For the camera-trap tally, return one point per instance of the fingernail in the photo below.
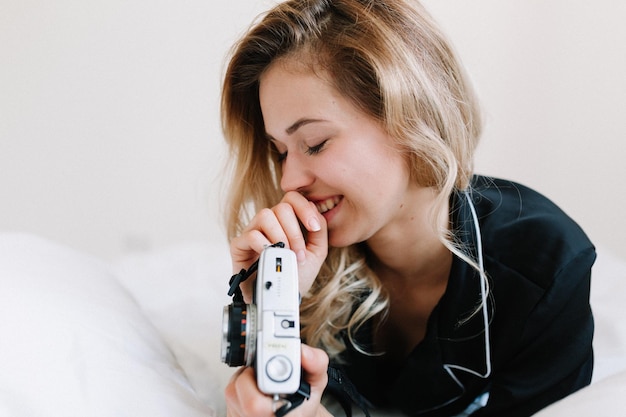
(314, 225)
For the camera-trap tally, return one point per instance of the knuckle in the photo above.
(283, 208)
(265, 214)
(297, 239)
(253, 235)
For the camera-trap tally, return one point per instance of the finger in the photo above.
(251, 401)
(282, 224)
(263, 230)
(305, 210)
(315, 224)
(317, 241)
(270, 225)
(233, 395)
(315, 365)
(245, 248)
(315, 368)
(230, 396)
(236, 374)
(288, 219)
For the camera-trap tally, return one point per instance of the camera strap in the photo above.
(340, 386)
(294, 400)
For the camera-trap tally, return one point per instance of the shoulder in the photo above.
(525, 231)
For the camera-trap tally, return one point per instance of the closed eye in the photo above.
(313, 150)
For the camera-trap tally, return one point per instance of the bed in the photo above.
(140, 335)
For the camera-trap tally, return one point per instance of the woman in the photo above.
(352, 128)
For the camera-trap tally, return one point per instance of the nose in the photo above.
(296, 175)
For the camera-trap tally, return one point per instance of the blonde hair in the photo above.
(390, 59)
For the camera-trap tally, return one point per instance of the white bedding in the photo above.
(73, 342)
(140, 336)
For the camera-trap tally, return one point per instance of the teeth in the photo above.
(328, 204)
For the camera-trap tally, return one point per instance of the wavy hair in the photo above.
(391, 60)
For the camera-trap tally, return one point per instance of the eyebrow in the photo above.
(301, 122)
(297, 125)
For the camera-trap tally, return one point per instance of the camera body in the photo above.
(266, 333)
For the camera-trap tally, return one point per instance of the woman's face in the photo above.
(336, 156)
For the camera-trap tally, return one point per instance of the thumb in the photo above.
(315, 365)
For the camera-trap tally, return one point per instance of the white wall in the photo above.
(109, 129)
(552, 76)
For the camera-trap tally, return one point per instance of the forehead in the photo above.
(289, 90)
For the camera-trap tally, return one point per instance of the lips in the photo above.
(328, 204)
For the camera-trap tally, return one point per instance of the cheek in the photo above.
(387, 170)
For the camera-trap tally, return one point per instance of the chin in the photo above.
(336, 240)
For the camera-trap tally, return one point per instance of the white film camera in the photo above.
(266, 333)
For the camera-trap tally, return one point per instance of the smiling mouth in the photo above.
(328, 204)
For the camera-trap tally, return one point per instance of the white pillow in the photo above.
(608, 295)
(182, 290)
(74, 343)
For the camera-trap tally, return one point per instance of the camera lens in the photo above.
(238, 334)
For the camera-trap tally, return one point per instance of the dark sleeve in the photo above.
(555, 357)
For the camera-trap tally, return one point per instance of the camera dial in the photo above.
(239, 332)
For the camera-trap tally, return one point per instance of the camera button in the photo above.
(286, 326)
(279, 368)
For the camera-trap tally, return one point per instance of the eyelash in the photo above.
(312, 150)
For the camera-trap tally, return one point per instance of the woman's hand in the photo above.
(281, 223)
(243, 398)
